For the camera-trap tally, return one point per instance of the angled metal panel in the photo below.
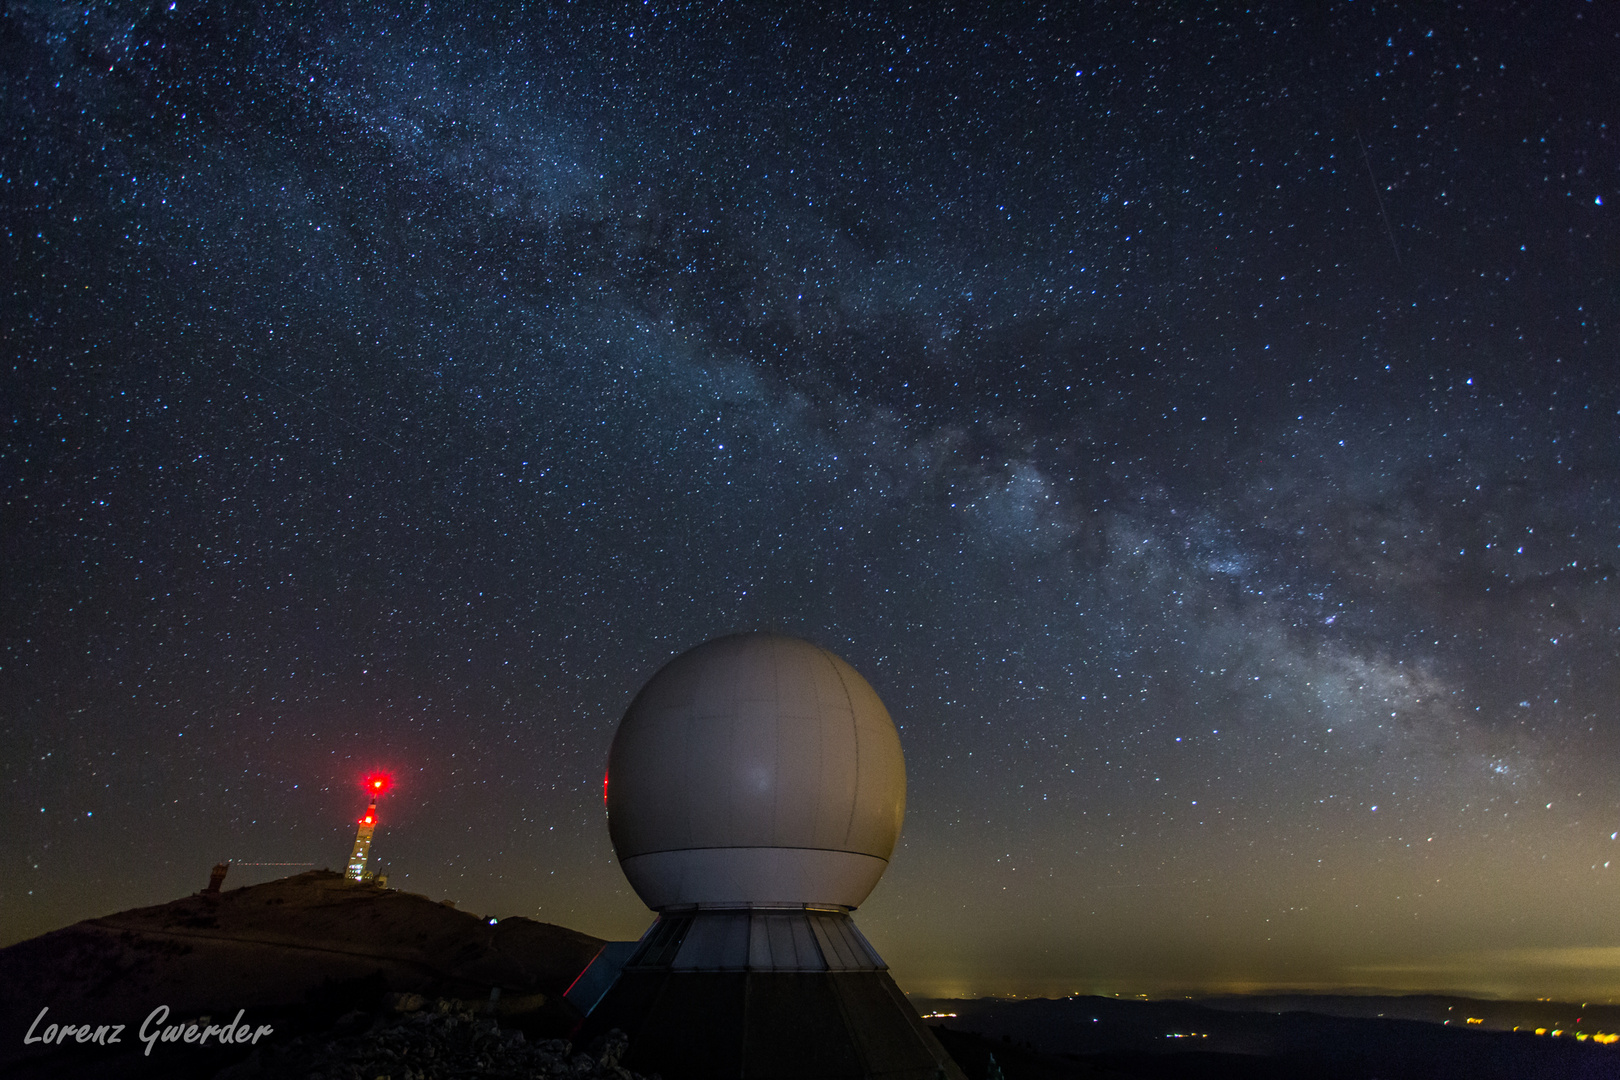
(716, 942)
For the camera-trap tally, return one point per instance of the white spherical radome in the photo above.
(755, 770)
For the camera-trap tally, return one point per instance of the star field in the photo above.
(1197, 422)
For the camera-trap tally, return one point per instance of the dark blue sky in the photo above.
(1197, 422)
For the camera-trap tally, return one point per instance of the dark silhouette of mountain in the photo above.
(1086, 1037)
(1449, 1009)
(295, 954)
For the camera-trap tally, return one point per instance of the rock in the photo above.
(445, 1042)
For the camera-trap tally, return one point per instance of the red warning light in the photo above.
(377, 783)
(367, 820)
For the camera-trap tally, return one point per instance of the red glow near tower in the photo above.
(375, 785)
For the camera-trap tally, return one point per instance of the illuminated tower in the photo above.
(375, 786)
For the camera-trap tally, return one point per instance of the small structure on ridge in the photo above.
(376, 784)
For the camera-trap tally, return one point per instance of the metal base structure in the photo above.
(764, 994)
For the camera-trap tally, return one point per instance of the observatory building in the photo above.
(755, 791)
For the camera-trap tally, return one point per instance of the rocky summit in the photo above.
(295, 955)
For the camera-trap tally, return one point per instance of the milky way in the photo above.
(1198, 424)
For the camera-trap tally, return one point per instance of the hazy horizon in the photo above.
(1559, 974)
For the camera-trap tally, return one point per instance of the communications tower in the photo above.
(376, 784)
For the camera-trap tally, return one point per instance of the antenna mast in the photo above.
(375, 785)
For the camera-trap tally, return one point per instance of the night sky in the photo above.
(1199, 423)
